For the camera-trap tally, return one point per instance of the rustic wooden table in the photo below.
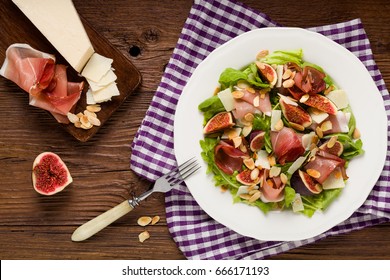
(38, 227)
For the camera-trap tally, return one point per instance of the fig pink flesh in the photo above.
(50, 174)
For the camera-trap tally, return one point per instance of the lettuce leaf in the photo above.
(210, 107)
(230, 77)
(282, 57)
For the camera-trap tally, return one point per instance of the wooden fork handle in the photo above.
(95, 225)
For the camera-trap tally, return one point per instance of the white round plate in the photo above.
(349, 74)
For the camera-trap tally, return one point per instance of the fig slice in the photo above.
(335, 148)
(267, 72)
(245, 177)
(321, 103)
(50, 175)
(220, 121)
(257, 140)
(304, 184)
(295, 114)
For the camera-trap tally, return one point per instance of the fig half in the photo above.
(50, 174)
(219, 122)
(304, 184)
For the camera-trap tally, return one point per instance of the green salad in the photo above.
(279, 134)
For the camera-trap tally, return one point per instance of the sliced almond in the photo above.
(283, 178)
(84, 120)
(313, 173)
(274, 171)
(144, 221)
(94, 108)
(329, 89)
(331, 142)
(304, 98)
(237, 141)
(250, 163)
(262, 53)
(326, 125)
(155, 220)
(356, 133)
(245, 196)
(246, 130)
(256, 101)
(90, 114)
(279, 125)
(249, 117)
(94, 121)
(72, 117)
(319, 132)
(243, 84)
(288, 83)
(286, 74)
(237, 94)
(255, 174)
(143, 236)
(271, 160)
(255, 196)
(251, 90)
(297, 126)
(86, 126)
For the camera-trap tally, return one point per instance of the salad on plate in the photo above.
(279, 134)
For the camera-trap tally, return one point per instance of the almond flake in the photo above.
(274, 171)
(279, 125)
(286, 74)
(262, 53)
(246, 130)
(326, 125)
(297, 126)
(288, 83)
(304, 98)
(251, 90)
(144, 221)
(256, 101)
(155, 220)
(237, 94)
(72, 117)
(313, 173)
(143, 236)
(283, 178)
(249, 162)
(94, 108)
(319, 132)
(249, 117)
(245, 196)
(255, 196)
(237, 141)
(356, 133)
(255, 174)
(90, 114)
(331, 142)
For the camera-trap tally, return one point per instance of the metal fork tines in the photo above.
(182, 172)
(169, 180)
(163, 184)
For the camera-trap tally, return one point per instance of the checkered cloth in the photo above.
(210, 24)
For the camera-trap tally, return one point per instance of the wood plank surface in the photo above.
(145, 32)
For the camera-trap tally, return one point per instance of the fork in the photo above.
(162, 184)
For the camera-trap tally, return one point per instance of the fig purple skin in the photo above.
(256, 140)
(303, 184)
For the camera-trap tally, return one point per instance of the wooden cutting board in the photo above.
(19, 29)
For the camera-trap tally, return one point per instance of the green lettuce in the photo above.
(283, 57)
(210, 107)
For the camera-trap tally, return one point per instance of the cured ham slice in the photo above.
(287, 145)
(47, 83)
(272, 189)
(309, 80)
(325, 163)
(228, 158)
(245, 104)
(30, 69)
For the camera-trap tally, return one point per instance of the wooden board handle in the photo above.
(95, 225)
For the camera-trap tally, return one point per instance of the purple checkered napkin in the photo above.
(210, 24)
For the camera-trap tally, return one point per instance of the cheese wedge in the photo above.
(60, 23)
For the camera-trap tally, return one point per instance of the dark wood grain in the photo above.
(36, 227)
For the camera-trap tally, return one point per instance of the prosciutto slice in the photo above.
(309, 80)
(228, 158)
(271, 189)
(325, 163)
(287, 145)
(47, 84)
